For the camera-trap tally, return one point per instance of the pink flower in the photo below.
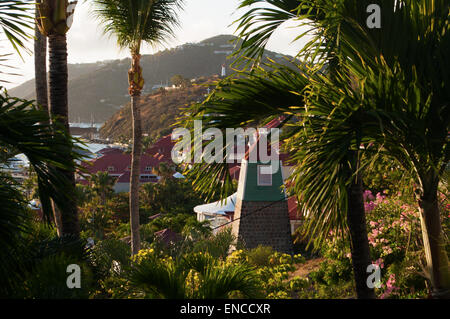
(391, 281)
(379, 262)
(368, 195)
(389, 287)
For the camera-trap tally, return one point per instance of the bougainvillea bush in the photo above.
(395, 239)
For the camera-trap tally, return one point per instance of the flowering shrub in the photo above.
(394, 234)
(395, 240)
(273, 269)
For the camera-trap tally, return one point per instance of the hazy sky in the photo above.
(201, 19)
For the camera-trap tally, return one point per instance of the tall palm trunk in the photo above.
(40, 70)
(434, 244)
(40, 65)
(356, 219)
(136, 84)
(60, 113)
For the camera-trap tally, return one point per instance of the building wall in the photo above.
(269, 226)
(122, 187)
(249, 190)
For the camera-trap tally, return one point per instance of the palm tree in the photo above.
(134, 22)
(102, 184)
(54, 21)
(414, 106)
(329, 159)
(264, 96)
(25, 129)
(15, 20)
(164, 171)
(40, 65)
(324, 174)
(198, 276)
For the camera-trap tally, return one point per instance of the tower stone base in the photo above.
(269, 226)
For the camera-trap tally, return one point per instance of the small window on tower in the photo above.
(111, 169)
(264, 175)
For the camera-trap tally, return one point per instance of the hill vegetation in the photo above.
(98, 90)
(158, 111)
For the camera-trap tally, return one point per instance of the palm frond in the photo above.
(25, 129)
(134, 21)
(258, 24)
(251, 98)
(16, 22)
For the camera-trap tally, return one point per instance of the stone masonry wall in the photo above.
(268, 227)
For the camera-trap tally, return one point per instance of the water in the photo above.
(86, 125)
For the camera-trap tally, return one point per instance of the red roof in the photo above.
(275, 123)
(162, 149)
(235, 171)
(110, 150)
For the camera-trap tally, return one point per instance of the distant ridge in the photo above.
(158, 112)
(98, 90)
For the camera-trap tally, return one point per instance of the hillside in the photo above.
(98, 90)
(158, 112)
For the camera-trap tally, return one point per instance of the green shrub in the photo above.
(217, 245)
(260, 255)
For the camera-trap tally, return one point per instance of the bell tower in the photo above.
(261, 215)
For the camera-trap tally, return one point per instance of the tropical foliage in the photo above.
(359, 93)
(365, 118)
(132, 23)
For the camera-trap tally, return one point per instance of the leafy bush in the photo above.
(196, 275)
(260, 255)
(48, 279)
(217, 246)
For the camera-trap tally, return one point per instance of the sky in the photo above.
(199, 20)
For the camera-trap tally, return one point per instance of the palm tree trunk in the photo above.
(136, 82)
(135, 173)
(57, 219)
(60, 113)
(434, 244)
(40, 66)
(356, 220)
(40, 77)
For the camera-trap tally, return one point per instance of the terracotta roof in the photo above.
(275, 122)
(293, 208)
(124, 178)
(162, 149)
(235, 171)
(110, 150)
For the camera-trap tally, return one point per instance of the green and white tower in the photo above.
(261, 215)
